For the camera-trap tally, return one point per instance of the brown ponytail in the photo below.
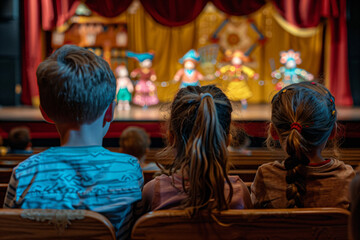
(200, 123)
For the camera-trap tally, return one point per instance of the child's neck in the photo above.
(315, 156)
(84, 135)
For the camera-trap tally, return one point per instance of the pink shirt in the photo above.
(163, 193)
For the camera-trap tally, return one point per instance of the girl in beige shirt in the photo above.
(303, 119)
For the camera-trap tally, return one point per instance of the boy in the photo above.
(136, 142)
(19, 141)
(77, 89)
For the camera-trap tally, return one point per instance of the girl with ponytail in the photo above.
(303, 119)
(198, 135)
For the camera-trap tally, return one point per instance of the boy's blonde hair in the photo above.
(75, 85)
(134, 141)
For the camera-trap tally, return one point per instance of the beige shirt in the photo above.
(326, 185)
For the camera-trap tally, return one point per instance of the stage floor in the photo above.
(254, 120)
(160, 113)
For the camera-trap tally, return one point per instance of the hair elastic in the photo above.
(205, 94)
(297, 126)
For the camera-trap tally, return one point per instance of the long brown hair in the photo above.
(304, 116)
(199, 126)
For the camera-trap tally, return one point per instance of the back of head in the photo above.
(75, 85)
(304, 116)
(240, 139)
(134, 141)
(19, 138)
(199, 126)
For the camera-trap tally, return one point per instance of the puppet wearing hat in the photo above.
(237, 74)
(145, 90)
(124, 88)
(289, 73)
(188, 75)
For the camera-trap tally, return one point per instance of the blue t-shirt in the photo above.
(91, 178)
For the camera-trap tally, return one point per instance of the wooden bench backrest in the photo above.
(52, 224)
(261, 156)
(311, 223)
(15, 157)
(5, 175)
(3, 188)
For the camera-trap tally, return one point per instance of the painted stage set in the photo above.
(254, 120)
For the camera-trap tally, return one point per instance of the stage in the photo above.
(254, 120)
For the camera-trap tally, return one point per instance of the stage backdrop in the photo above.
(315, 28)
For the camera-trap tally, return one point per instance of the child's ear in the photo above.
(229, 139)
(109, 114)
(45, 116)
(273, 132)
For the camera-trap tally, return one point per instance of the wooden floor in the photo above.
(160, 113)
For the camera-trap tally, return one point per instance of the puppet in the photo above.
(188, 75)
(289, 73)
(237, 74)
(124, 88)
(145, 89)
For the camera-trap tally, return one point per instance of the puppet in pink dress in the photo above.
(145, 90)
(188, 75)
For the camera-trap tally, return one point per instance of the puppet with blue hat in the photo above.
(145, 90)
(188, 75)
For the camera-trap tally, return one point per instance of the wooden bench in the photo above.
(9, 163)
(54, 224)
(14, 157)
(311, 223)
(237, 160)
(5, 175)
(261, 156)
(3, 188)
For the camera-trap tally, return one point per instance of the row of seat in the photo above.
(260, 156)
(237, 159)
(311, 223)
(321, 223)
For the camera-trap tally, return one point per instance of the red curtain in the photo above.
(339, 67)
(180, 12)
(108, 8)
(238, 7)
(56, 13)
(308, 13)
(31, 50)
(175, 12)
(302, 13)
(39, 14)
